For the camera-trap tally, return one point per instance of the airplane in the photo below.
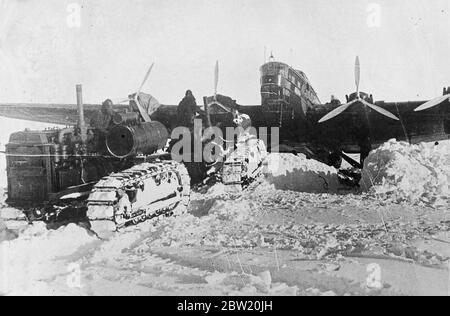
(326, 132)
(329, 131)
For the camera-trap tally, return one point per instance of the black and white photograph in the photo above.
(225, 153)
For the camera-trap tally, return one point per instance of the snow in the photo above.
(293, 208)
(296, 173)
(34, 256)
(39, 262)
(416, 174)
(247, 284)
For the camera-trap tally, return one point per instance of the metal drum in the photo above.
(125, 118)
(147, 138)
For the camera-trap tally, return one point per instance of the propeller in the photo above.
(145, 79)
(216, 79)
(143, 112)
(357, 74)
(147, 75)
(120, 101)
(134, 96)
(216, 84)
(433, 102)
(358, 99)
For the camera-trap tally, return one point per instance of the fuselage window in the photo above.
(286, 94)
(270, 90)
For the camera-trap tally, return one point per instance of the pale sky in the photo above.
(43, 54)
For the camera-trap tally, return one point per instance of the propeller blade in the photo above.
(380, 110)
(432, 103)
(145, 79)
(357, 74)
(143, 111)
(336, 111)
(122, 101)
(220, 105)
(216, 77)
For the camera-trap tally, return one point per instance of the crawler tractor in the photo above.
(117, 170)
(113, 177)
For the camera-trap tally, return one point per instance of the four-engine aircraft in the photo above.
(327, 131)
(288, 101)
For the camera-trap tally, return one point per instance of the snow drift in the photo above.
(296, 173)
(417, 174)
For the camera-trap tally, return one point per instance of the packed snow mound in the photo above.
(417, 174)
(33, 256)
(297, 173)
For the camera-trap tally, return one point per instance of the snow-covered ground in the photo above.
(296, 231)
(416, 174)
(296, 173)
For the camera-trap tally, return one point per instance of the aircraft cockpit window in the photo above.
(270, 91)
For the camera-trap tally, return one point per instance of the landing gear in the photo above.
(365, 148)
(335, 159)
(350, 177)
(332, 158)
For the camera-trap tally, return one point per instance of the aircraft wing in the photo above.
(414, 127)
(61, 114)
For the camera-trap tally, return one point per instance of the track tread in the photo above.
(109, 199)
(244, 165)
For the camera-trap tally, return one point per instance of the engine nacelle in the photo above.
(146, 138)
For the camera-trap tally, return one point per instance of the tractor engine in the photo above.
(105, 172)
(41, 164)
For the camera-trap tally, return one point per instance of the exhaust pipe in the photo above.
(81, 120)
